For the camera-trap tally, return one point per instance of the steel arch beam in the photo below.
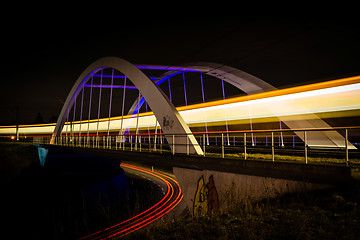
(170, 120)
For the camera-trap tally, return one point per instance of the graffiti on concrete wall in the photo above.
(207, 190)
(206, 197)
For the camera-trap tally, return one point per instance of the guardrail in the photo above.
(272, 145)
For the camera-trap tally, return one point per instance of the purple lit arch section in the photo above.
(157, 100)
(109, 86)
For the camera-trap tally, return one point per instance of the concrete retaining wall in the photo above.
(213, 190)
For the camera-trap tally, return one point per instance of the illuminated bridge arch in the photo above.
(165, 112)
(252, 85)
(237, 78)
(157, 100)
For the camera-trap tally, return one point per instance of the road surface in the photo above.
(172, 197)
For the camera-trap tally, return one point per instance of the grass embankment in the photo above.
(326, 214)
(40, 203)
(299, 159)
(15, 158)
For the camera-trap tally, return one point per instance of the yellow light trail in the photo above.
(332, 97)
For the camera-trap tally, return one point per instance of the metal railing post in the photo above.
(222, 146)
(131, 145)
(203, 144)
(305, 147)
(187, 145)
(244, 145)
(272, 147)
(149, 142)
(155, 136)
(173, 144)
(161, 144)
(346, 147)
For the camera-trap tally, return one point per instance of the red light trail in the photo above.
(171, 199)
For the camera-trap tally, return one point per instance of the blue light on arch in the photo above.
(142, 100)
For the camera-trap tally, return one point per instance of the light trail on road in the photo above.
(171, 199)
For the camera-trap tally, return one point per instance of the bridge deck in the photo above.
(328, 174)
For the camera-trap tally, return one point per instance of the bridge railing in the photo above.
(267, 145)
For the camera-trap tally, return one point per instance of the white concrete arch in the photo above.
(170, 120)
(252, 85)
(239, 79)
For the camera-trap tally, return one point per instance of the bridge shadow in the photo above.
(73, 195)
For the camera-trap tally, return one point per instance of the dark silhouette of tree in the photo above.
(39, 119)
(53, 119)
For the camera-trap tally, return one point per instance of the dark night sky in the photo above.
(42, 57)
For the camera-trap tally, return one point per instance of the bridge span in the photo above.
(214, 148)
(223, 149)
(90, 112)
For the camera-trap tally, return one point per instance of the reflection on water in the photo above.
(49, 204)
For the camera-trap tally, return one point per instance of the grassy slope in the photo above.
(326, 214)
(15, 158)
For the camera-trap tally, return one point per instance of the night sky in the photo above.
(42, 57)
